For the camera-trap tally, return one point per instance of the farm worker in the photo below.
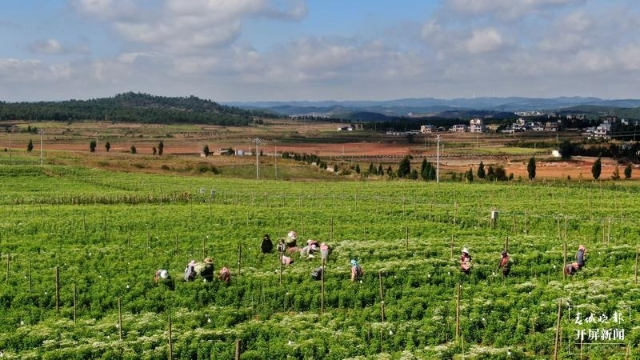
(286, 260)
(317, 273)
(190, 271)
(225, 275)
(465, 261)
(356, 271)
(207, 270)
(163, 277)
(505, 263)
(581, 256)
(292, 236)
(324, 251)
(305, 252)
(267, 244)
(281, 246)
(572, 268)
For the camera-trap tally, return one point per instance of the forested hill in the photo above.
(132, 107)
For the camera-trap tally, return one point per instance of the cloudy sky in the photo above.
(258, 50)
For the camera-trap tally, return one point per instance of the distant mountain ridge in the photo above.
(431, 106)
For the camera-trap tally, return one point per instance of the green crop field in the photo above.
(80, 247)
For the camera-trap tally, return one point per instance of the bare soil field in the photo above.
(458, 152)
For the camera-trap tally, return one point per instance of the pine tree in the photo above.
(30, 146)
(627, 171)
(596, 169)
(481, 173)
(531, 168)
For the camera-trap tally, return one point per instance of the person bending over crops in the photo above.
(581, 256)
(267, 244)
(286, 260)
(505, 263)
(572, 268)
(465, 261)
(225, 275)
(292, 237)
(317, 273)
(207, 270)
(163, 277)
(190, 271)
(356, 271)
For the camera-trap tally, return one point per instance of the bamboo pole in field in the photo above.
(170, 341)
(506, 244)
(237, 355)
(57, 279)
(609, 232)
(322, 288)
(8, 259)
(458, 312)
(280, 257)
(204, 244)
(564, 274)
(636, 268)
(452, 245)
(406, 231)
(239, 259)
(331, 229)
(381, 295)
(75, 303)
(29, 274)
(557, 339)
(120, 317)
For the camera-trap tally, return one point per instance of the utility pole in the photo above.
(257, 140)
(438, 159)
(275, 159)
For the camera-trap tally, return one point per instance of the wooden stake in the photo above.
(331, 229)
(452, 244)
(57, 273)
(406, 231)
(557, 342)
(237, 356)
(564, 274)
(636, 268)
(120, 318)
(458, 312)
(75, 303)
(170, 342)
(506, 244)
(381, 295)
(29, 274)
(322, 288)
(280, 257)
(239, 259)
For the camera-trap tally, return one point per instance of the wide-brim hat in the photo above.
(164, 274)
(354, 263)
(504, 252)
(465, 250)
(208, 261)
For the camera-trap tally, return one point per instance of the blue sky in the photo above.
(266, 50)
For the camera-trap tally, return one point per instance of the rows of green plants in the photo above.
(407, 236)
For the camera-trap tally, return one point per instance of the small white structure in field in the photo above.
(556, 153)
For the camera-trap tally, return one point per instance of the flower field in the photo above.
(80, 247)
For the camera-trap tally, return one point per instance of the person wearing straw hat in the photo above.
(324, 251)
(465, 261)
(190, 271)
(207, 270)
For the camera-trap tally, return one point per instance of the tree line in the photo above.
(133, 107)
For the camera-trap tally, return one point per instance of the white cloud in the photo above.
(192, 26)
(484, 40)
(505, 9)
(50, 46)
